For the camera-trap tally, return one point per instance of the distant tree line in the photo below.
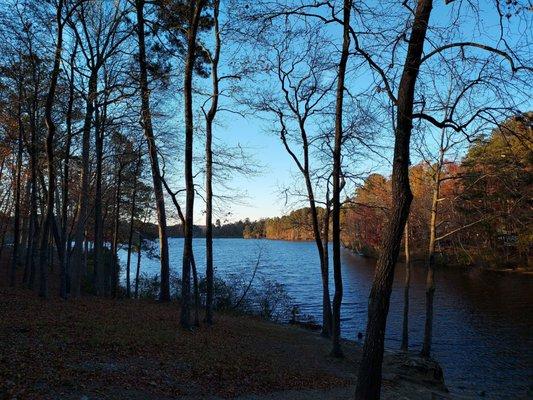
(484, 205)
(485, 209)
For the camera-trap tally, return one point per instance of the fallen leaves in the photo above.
(88, 346)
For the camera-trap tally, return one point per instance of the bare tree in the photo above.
(209, 118)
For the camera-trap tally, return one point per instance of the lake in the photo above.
(483, 324)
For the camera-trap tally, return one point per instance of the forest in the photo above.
(406, 131)
(482, 219)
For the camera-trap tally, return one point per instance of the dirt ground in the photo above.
(95, 348)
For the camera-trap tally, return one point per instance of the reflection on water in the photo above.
(483, 333)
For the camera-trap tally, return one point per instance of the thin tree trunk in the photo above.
(49, 214)
(78, 259)
(31, 245)
(16, 228)
(25, 221)
(114, 247)
(405, 328)
(336, 350)
(369, 377)
(164, 294)
(430, 279)
(132, 217)
(209, 275)
(65, 189)
(326, 301)
(100, 275)
(320, 245)
(195, 11)
(138, 272)
(5, 223)
(196, 292)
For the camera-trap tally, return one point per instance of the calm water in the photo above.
(483, 333)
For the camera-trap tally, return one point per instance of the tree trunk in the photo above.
(16, 228)
(78, 259)
(196, 9)
(321, 247)
(99, 272)
(5, 222)
(430, 279)
(115, 277)
(49, 213)
(405, 328)
(209, 271)
(326, 302)
(369, 377)
(132, 216)
(138, 272)
(64, 287)
(31, 245)
(336, 350)
(196, 292)
(164, 294)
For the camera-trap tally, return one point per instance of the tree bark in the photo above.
(115, 271)
(209, 274)
(65, 189)
(138, 272)
(326, 302)
(164, 294)
(31, 245)
(132, 217)
(430, 278)
(195, 11)
(405, 327)
(99, 273)
(369, 377)
(16, 228)
(336, 350)
(78, 259)
(49, 213)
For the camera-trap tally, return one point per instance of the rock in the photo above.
(415, 369)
